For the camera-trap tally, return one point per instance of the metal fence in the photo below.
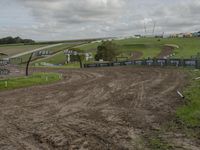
(194, 63)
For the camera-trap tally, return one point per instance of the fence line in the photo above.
(195, 63)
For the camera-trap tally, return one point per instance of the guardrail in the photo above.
(150, 62)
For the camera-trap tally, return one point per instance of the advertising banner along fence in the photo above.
(194, 63)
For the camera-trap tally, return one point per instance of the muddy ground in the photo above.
(136, 55)
(95, 109)
(166, 52)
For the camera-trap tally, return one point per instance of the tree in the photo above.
(80, 56)
(107, 51)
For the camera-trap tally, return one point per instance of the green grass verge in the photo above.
(157, 143)
(190, 113)
(35, 79)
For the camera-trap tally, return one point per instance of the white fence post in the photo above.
(6, 84)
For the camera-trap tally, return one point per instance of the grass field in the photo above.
(58, 58)
(90, 47)
(60, 48)
(14, 49)
(54, 50)
(35, 79)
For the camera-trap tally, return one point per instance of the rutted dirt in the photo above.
(95, 109)
(136, 55)
(166, 52)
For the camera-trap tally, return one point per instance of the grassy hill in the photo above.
(13, 49)
(147, 47)
(151, 47)
(53, 50)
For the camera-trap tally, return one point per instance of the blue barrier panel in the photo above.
(139, 62)
(175, 62)
(161, 62)
(149, 62)
(189, 62)
(104, 64)
(90, 65)
(116, 64)
(127, 63)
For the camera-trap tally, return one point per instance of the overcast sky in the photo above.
(77, 19)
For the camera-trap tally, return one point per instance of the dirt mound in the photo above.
(136, 55)
(95, 109)
(166, 52)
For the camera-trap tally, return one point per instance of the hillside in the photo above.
(152, 47)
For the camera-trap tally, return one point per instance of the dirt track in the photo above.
(166, 52)
(90, 109)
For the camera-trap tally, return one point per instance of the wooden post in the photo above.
(27, 66)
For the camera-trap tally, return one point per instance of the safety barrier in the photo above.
(150, 62)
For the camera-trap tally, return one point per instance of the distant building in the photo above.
(187, 35)
(180, 35)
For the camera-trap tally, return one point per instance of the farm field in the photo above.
(105, 108)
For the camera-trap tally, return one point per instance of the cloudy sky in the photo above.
(77, 19)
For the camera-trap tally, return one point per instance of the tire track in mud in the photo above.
(104, 108)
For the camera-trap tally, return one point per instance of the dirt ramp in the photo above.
(166, 52)
(136, 55)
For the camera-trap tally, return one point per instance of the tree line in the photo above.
(15, 40)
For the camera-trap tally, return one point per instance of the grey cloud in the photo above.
(67, 19)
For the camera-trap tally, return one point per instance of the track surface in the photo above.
(92, 109)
